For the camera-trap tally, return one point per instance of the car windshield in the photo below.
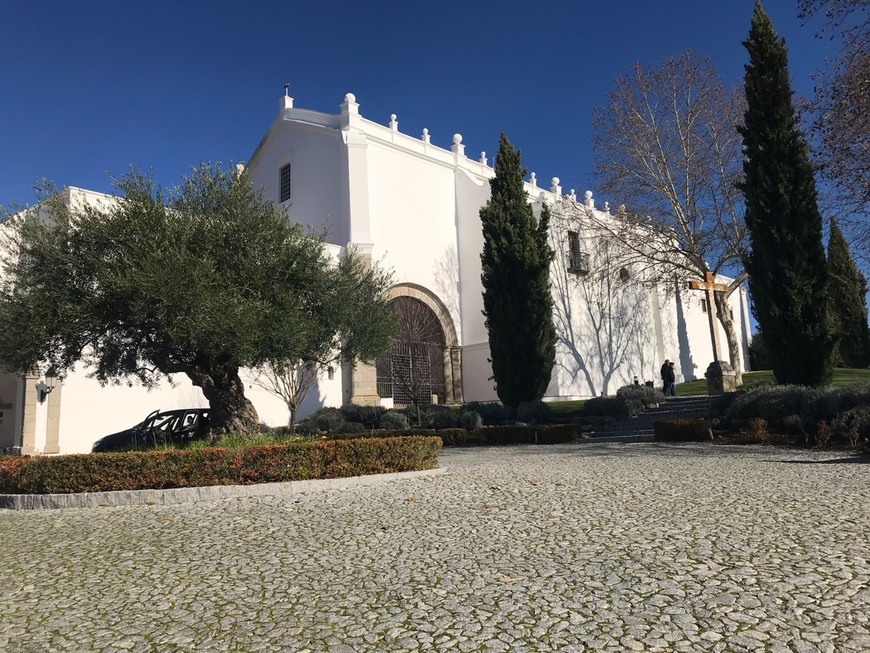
(165, 422)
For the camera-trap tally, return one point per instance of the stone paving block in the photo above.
(565, 548)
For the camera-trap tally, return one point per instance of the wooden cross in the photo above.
(710, 286)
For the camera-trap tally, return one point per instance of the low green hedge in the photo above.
(682, 430)
(137, 470)
(543, 434)
(488, 435)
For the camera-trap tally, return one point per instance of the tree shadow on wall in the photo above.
(687, 364)
(446, 275)
(602, 313)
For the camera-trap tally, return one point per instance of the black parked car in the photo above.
(169, 427)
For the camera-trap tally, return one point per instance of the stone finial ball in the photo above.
(554, 181)
(393, 117)
(350, 97)
(457, 138)
(588, 194)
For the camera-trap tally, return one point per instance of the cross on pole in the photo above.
(710, 286)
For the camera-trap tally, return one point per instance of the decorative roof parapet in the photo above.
(350, 104)
(587, 199)
(350, 118)
(457, 148)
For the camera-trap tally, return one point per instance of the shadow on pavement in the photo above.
(859, 458)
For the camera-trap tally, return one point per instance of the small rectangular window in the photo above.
(285, 182)
(577, 259)
(704, 305)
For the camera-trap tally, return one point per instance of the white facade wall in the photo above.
(413, 224)
(414, 208)
(315, 154)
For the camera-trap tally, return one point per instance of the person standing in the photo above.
(670, 380)
(664, 374)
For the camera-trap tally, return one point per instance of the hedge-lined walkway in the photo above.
(645, 547)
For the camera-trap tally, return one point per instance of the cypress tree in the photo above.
(847, 292)
(517, 302)
(786, 265)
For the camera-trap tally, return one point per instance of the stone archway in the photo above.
(437, 334)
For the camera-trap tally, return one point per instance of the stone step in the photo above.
(640, 428)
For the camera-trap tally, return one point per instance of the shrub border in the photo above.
(160, 470)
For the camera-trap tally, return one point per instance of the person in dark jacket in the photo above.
(670, 380)
(664, 373)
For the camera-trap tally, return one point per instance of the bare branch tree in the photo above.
(667, 143)
(841, 110)
(416, 355)
(289, 381)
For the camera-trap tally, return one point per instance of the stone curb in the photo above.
(177, 496)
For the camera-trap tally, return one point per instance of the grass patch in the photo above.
(842, 376)
(567, 408)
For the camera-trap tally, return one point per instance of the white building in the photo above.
(413, 207)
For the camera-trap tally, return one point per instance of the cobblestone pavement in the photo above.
(642, 547)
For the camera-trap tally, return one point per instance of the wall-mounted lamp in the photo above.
(330, 372)
(45, 386)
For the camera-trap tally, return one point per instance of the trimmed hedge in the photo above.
(138, 470)
(682, 430)
(488, 435)
(384, 433)
(547, 434)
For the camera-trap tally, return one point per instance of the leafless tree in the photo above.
(290, 381)
(666, 142)
(416, 355)
(841, 112)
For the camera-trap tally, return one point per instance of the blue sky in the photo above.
(89, 88)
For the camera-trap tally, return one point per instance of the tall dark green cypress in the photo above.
(786, 266)
(517, 302)
(847, 293)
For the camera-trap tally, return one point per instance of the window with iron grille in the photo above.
(413, 371)
(284, 178)
(578, 261)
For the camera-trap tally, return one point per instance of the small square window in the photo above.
(284, 178)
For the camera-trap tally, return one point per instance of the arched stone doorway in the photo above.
(425, 361)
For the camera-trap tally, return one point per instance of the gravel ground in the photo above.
(641, 547)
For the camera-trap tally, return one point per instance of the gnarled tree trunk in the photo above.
(231, 411)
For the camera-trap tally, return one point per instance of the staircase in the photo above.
(640, 428)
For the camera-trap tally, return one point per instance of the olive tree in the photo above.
(201, 280)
